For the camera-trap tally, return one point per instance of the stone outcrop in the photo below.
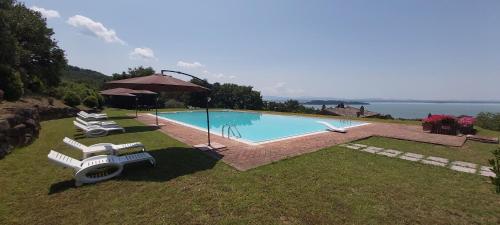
(20, 126)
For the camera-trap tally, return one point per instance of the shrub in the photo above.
(100, 100)
(71, 99)
(495, 164)
(11, 83)
(91, 101)
(490, 121)
(441, 124)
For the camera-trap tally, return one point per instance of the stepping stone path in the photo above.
(465, 167)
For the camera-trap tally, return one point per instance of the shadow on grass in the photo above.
(120, 117)
(138, 129)
(170, 163)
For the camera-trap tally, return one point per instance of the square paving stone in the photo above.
(360, 145)
(438, 159)
(434, 163)
(389, 153)
(486, 171)
(411, 156)
(352, 147)
(486, 168)
(372, 149)
(463, 169)
(464, 164)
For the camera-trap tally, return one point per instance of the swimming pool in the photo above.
(255, 128)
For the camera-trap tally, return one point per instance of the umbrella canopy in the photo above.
(125, 92)
(161, 83)
(156, 83)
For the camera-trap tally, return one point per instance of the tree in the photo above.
(134, 72)
(27, 49)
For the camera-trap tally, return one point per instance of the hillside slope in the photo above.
(79, 75)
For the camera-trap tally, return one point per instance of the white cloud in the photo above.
(189, 65)
(218, 76)
(142, 53)
(94, 28)
(47, 13)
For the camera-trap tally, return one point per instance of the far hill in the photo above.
(79, 75)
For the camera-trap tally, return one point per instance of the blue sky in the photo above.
(447, 49)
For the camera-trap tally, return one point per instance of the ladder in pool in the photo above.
(230, 131)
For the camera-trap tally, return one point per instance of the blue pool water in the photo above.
(256, 127)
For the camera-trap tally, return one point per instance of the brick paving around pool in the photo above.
(243, 156)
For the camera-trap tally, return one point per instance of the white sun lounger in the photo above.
(91, 116)
(96, 130)
(99, 123)
(103, 148)
(332, 128)
(98, 168)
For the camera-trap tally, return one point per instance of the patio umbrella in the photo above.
(128, 93)
(159, 83)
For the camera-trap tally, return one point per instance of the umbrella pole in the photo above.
(156, 108)
(208, 123)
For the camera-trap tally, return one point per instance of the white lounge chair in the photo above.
(96, 130)
(91, 116)
(332, 128)
(98, 168)
(99, 123)
(104, 148)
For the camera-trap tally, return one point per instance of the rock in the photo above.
(20, 126)
(4, 125)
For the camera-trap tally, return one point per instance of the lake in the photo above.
(412, 110)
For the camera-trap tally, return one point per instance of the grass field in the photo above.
(331, 186)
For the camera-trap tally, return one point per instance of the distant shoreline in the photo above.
(334, 102)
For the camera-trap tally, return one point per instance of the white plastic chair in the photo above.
(98, 168)
(104, 148)
(96, 130)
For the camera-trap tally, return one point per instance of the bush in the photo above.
(490, 121)
(11, 83)
(172, 103)
(91, 101)
(441, 124)
(71, 99)
(100, 100)
(495, 165)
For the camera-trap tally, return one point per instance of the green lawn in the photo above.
(331, 186)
